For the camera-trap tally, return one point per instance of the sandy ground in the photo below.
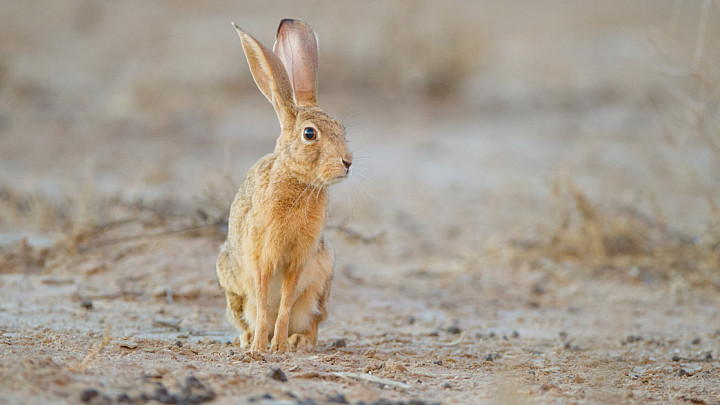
(119, 131)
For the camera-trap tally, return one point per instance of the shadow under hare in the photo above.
(275, 266)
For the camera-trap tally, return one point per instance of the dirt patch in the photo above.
(142, 319)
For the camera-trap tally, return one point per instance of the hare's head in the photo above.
(312, 144)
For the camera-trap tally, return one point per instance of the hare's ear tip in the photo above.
(283, 22)
(291, 21)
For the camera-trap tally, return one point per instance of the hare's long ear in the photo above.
(270, 77)
(297, 46)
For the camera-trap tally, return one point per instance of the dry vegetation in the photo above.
(621, 239)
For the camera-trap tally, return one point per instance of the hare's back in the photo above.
(257, 176)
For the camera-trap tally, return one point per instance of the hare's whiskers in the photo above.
(307, 201)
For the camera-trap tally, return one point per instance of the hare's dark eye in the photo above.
(309, 134)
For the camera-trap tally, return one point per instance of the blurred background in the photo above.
(470, 121)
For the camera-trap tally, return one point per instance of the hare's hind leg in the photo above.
(235, 302)
(306, 340)
(234, 313)
(311, 308)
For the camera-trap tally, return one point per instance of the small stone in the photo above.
(683, 372)
(492, 335)
(278, 375)
(88, 394)
(515, 334)
(339, 343)
(87, 304)
(438, 362)
(337, 399)
(538, 289)
(124, 398)
(547, 386)
(637, 372)
(434, 334)
(160, 391)
(455, 330)
(394, 366)
(231, 352)
(695, 341)
(193, 382)
(708, 356)
(633, 338)
(563, 334)
(447, 385)
(676, 358)
(411, 320)
(167, 399)
(489, 357)
(127, 344)
(178, 343)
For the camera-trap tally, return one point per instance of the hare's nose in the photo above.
(347, 163)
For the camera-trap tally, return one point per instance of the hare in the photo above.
(275, 267)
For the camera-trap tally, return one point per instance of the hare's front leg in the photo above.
(280, 337)
(262, 281)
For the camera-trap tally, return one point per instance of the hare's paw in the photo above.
(279, 345)
(300, 343)
(259, 345)
(246, 339)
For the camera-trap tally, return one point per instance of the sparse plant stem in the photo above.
(700, 41)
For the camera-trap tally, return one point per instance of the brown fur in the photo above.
(275, 267)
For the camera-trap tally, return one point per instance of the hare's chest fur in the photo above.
(286, 223)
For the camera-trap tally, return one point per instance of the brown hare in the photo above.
(275, 266)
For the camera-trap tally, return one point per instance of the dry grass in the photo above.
(604, 236)
(55, 230)
(621, 240)
(215, 200)
(691, 113)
